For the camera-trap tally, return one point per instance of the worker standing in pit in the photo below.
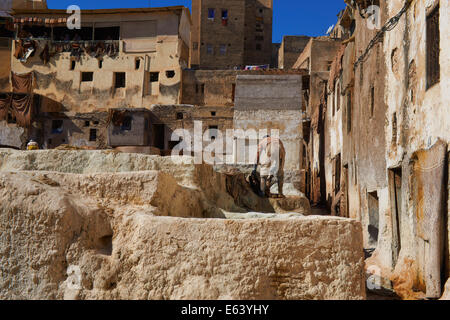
(271, 157)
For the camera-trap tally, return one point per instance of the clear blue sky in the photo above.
(291, 17)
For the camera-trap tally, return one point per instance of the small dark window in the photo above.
(200, 88)
(57, 126)
(224, 17)
(233, 91)
(224, 14)
(213, 132)
(87, 123)
(120, 80)
(258, 47)
(338, 102)
(154, 76)
(179, 115)
(87, 76)
(213, 113)
(96, 123)
(11, 118)
(329, 63)
(211, 13)
(223, 49)
(137, 63)
(333, 100)
(374, 216)
(349, 112)
(72, 64)
(372, 101)
(337, 173)
(259, 38)
(209, 49)
(93, 135)
(100, 64)
(126, 124)
(433, 48)
(107, 33)
(170, 73)
(394, 128)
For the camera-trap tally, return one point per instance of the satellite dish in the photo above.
(330, 29)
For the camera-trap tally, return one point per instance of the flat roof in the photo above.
(99, 11)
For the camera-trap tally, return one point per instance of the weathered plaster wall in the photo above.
(137, 135)
(75, 131)
(333, 140)
(12, 136)
(422, 114)
(174, 117)
(317, 54)
(315, 58)
(208, 87)
(324, 51)
(290, 50)
(369, 120)
(215, 88)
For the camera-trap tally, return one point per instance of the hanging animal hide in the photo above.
(22, 83)
(5, 105)
(22, 109)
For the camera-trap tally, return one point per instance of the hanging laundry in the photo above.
(76, 51)
(100, 50)
(112, 49)
(5, 105)
(18, 53)
(22, 109)
(45, 54)
(22, 83)
(24, 50)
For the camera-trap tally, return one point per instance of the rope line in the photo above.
(390, 25)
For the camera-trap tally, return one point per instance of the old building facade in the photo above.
(290, 49)
(232, 34)
(120, 58)
(316, 59)
(386, 140)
